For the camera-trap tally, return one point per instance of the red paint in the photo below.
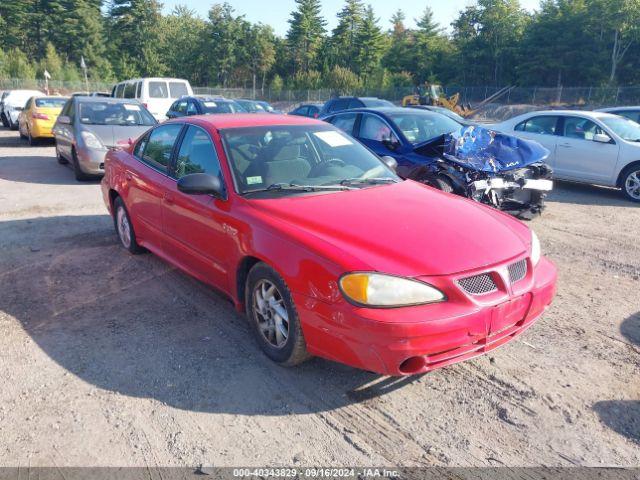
(405, 229)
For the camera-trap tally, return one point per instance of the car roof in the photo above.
(87, 99)
(242, 120)
(582, 113)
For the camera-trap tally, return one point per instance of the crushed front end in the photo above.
(503, 171)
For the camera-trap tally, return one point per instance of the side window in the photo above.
(539, 125)
(158, 90)
(139, 148)
(181, 107)
(197, 154)
(119, 90)
(68, 110)
(580, 128)
(138, 89)
(130, 90)
(338, 105)
(191, 108)
(374, 128)
(157, 151)
(355, 103)
(28, 105)
(302, 111)
(345, 122)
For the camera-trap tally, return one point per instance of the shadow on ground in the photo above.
(136, 326)
(38, 169)
(630, 329)
(584, 194)
(622, 416)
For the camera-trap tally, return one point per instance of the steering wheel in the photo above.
(332, 161)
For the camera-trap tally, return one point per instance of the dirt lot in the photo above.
(109, 359)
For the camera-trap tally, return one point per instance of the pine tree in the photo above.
(430, 45)
(343, 39)
(370, 44)
(399, 57)
(306, 30)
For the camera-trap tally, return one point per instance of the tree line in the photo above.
(490, 43)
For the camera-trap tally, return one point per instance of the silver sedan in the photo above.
(89, 126)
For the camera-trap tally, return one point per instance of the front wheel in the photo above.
(77, 171)
(273, 317)
(124, 228)
(441, 183)
(631, 183)
(59, 157)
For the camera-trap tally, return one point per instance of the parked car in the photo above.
(632, 113)
(349, 103)
(156, 94)
(589, 147)
(323, 246)
(501, 171)
(310, 110)
(257, 106)
(187, 106)
(89, 126)
(13, 103)
(37, 118)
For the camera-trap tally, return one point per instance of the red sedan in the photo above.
(327, 251)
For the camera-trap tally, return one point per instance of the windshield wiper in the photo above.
(292, 187)
(367, 181)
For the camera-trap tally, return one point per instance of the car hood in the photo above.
(485, 150)
(405, 229)
(112, 135)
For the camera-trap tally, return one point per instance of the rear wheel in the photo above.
(80, 175)
(5, 124)
(273, 317)
(631, 183)
(22, 135)
(32, 141)
(124, 228)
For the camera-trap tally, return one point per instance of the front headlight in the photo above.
(536, 251)
(384, 291)
(91, 141)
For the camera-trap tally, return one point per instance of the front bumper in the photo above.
(416, 340)
(91, 161)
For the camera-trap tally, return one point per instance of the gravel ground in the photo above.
(112, 360)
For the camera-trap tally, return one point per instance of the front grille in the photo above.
(517, 271)
(478, 285)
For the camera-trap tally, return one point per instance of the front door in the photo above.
(196, 234)
(579, 157)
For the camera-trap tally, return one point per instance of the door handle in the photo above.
(168, 198)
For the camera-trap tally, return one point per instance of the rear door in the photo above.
(147, 181)
(194, 225)
(544, 129)
(579, 157)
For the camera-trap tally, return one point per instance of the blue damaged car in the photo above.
(500, 170)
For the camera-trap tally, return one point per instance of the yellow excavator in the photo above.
(434, 95)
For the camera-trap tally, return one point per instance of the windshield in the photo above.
(261, 157)
(623, 127)
(106, 113)
(420, 127)
(51, 102)
(251, 107)
(221, 106)
(376, 102)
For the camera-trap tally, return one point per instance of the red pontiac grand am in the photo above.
(327, 251)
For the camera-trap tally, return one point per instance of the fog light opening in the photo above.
(412, 365)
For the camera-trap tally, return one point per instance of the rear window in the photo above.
(122, 114)
(130, 90)
(376, 102)
(178, 89)
(158, 90)
(50, 102)
(217, 106)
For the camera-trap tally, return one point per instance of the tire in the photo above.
(269, 325)
(124, 228)
(5, 124)
(32, 141)
(79, 174)
(60, 158)
(631, 183)
(12, 126)
(22, 136)
(441, 183)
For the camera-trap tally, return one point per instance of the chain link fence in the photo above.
(568, 97)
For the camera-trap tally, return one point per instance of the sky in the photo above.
(277, 12)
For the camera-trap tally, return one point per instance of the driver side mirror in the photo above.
(390, 162)
(65, 120)
(602, 138)
(201, 184)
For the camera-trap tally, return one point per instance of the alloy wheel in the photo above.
(271, 313)
(124, 228)
(632, 185)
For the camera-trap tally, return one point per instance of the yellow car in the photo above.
(38, 116)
